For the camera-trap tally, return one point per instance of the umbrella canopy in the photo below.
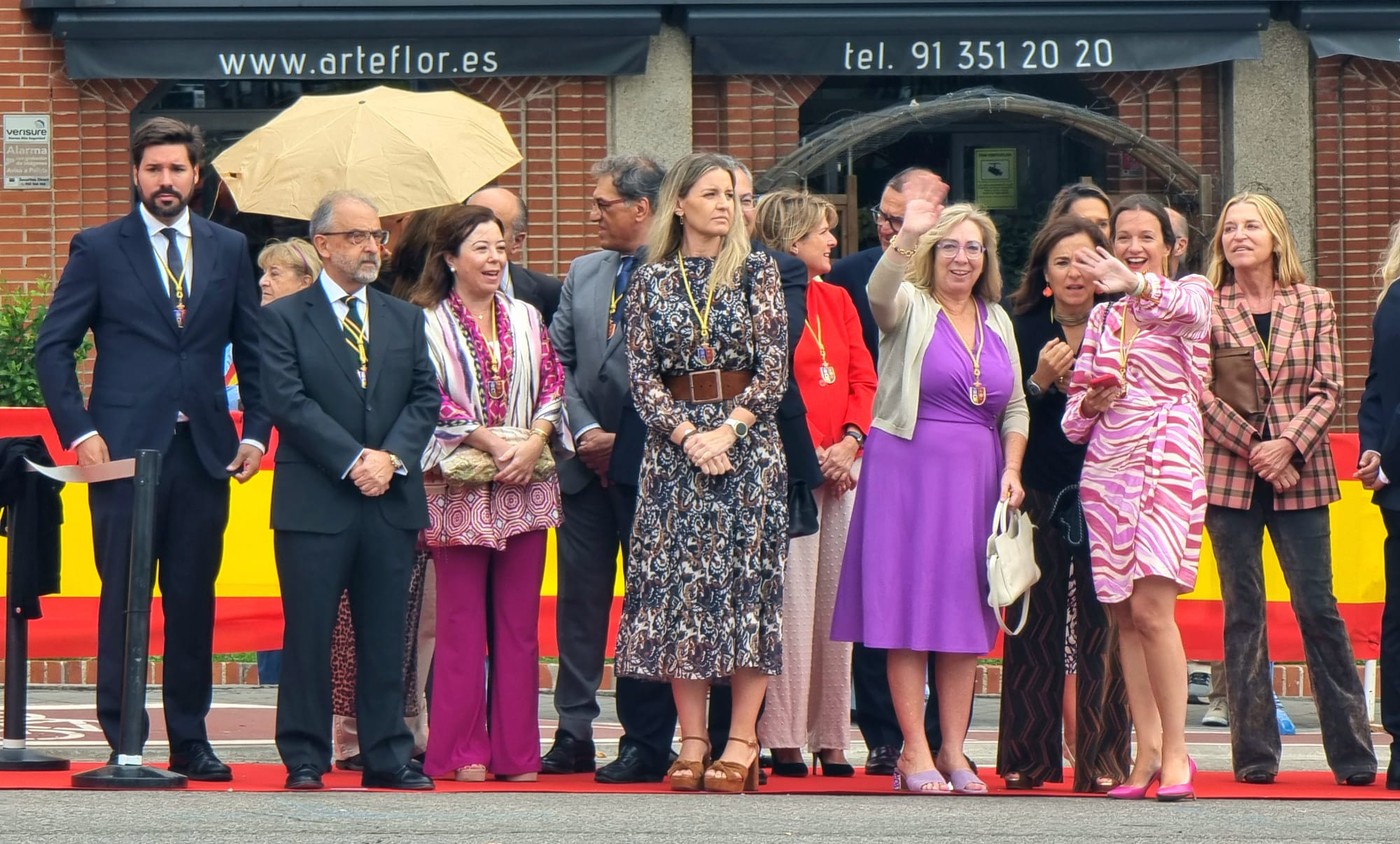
(405, 150)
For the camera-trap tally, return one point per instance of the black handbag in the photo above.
(802, 510)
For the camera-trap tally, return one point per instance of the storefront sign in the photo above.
(994, 186)
(28, 152)
(418, 58)
(972, 54)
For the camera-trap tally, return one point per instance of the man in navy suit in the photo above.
(355, 398)
(874, 708)
(163, 292)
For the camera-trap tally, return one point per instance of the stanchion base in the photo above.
(23, 759)
(129, 776)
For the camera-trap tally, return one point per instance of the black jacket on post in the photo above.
(30, 515)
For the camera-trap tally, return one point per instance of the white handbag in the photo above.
(1011, 568)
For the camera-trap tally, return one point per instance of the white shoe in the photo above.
(1217, 714)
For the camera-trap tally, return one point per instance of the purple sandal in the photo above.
(924, 782)
(966, 782)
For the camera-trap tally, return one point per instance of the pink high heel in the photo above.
(1134, 792)
(1184, 791)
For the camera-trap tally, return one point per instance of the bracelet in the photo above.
(539, 432)
(857, 436)
(687, 435)
(908, 253)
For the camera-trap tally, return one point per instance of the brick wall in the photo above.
(91, 175)
(1357, 106)
(753, 118)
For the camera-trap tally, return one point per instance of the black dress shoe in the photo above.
(631, 765)
(569, 755)
(1392, 773)
(882, 759)
(199, 763)
(404, 778)
(352, 763)
(304, 778)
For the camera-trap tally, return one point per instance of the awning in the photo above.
(348, 39)
(1370, 30)
(989, 38)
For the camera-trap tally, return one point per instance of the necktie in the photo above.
(175, 275)
(624, 275)
(353, 327)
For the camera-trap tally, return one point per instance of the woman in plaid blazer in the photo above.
(1275, 471)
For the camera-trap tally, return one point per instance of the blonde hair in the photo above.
(786, 216)
(292, 252)
(922, 265)
(1288, 267)
(1389, 267)
(668, 228)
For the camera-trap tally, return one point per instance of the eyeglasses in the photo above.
(604, 204)
(879, 216)
(359, 236)
(951, 248)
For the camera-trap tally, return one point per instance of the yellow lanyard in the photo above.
(1125, 343)
(709, 301)
(172, 280)
(817, 335)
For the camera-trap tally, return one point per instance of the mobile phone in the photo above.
(1107, 379)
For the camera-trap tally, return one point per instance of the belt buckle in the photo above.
(708, 389)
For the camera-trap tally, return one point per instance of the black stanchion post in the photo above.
(14, 755)
(128, 772)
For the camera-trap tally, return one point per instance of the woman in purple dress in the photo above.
(947, 442)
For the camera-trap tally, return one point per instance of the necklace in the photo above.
(1125, 343)
(827, 372)
(495, 382)
(1064, 320)
(704, 353)
(977, 393)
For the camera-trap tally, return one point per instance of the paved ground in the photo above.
(241, 726)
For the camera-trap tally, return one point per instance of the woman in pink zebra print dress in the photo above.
(1143, 484)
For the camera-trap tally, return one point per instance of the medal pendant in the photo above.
(364, 377)
(705, 355)
(828, 374)
(180, 316)
(977, 394)
(612, 329)
(496, 388)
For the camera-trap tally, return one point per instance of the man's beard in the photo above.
(161, 212)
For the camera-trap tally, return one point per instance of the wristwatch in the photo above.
(1033, 389)
(740, 429)
(855, 434)
(395, 461)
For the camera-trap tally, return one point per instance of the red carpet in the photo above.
(1212, 785)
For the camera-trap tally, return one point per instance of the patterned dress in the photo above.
(704, 590)
(1143, 488)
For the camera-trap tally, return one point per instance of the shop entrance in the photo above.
(1006, 151)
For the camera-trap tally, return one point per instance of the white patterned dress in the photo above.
(1143, 486)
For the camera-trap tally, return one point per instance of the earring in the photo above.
(1047, 292)
(451, 269)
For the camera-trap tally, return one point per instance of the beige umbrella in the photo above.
(405, 150)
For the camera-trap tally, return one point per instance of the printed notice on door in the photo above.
(995, 183)
(28, 152)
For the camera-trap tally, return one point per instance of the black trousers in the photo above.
(1390, 630)
(1302, 539)
(373, 560)
(1033, 672)
(191, 514)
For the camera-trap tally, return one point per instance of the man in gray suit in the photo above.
(599, 504)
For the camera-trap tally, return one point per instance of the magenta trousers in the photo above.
(458, 735)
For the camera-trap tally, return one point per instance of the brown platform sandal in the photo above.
(695, 770)
(732, 777)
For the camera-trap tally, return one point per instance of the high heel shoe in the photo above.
(1134, 792)
(832, 769)
(694, 769)
(1184, 791)
(919, 783)
(789, 769)
(732, 777)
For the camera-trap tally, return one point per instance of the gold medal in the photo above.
(977, 394)
(705, 355)
(496, 388)
(828, 374)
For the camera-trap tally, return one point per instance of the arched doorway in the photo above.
(990, 129)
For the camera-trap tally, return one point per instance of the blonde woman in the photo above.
(809, 703)
(1379, 471)
(948, 438)
(1274, 471)
(707, 344)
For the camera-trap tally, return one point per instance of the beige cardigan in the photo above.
(907, 317)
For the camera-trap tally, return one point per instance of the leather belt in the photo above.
(708, 385)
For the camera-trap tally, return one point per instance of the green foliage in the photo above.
(22, 311)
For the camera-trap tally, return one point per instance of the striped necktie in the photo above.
(353, 327)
